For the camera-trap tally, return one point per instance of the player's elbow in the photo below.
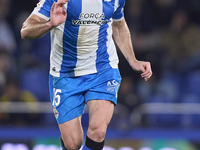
(26, 35)
(23, 34)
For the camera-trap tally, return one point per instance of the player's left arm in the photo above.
(122, 38)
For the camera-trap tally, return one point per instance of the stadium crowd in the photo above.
(164, 32)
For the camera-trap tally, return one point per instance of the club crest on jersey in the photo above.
(55, 112)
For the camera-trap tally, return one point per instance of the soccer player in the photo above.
(84, 63)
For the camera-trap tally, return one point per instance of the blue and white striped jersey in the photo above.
(83, 44)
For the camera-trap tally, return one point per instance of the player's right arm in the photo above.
(35, 26)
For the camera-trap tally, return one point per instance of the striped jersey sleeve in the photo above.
(43, 9)
(119, 12)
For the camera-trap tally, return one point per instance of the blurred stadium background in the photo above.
(161, 114)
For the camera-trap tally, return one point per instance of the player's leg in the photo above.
(101, 98)
(100, 114)
(68, 105)
(71, 134)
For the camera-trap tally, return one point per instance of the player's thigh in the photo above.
(71, 131)
(100, 113)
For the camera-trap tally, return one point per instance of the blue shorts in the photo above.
(70, 94)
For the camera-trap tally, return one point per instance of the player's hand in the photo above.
(58, 14)
(144, 67)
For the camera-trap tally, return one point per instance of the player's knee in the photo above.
(73, 147)
(97, 133)
(100, 134)
(72, 144)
